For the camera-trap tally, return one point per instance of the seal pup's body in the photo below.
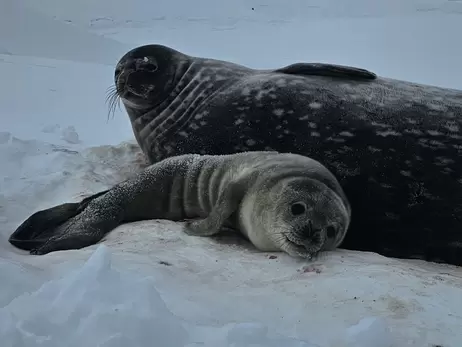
(395, 146)
(279, 201)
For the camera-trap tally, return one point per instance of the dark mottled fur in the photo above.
(395, 146)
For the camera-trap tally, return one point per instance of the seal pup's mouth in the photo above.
(309, 244)
(309, 240)
(301, 248)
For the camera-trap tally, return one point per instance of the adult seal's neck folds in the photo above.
(165, 91)
(158, 79)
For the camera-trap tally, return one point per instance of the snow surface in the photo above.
(149, 284)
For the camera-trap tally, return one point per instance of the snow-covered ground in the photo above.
(149, 284)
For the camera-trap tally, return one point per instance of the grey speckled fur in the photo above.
(253, 192)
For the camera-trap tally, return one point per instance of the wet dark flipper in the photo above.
(77, 233)
(41, 226)
(329, 70)
(85, 229)
(66, 242)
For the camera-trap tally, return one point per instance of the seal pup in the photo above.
(395, 146)
(278, 201)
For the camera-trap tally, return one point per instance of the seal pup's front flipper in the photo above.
(41, 226)
(227, 203)
(330, 70)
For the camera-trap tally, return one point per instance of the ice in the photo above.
(70, 135)
(370, 331)
(94, 305)
(149, 284)
(27, 32)
(100, 306)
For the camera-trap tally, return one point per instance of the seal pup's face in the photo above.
(145, 76)
(303, 217)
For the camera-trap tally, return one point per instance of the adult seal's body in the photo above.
(280, 202)
(395, 146)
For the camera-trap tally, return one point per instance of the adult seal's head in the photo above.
(301, 215)
(146, 76)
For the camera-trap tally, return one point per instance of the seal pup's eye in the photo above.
(298, 208)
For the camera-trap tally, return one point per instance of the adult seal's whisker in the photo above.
(113, 100)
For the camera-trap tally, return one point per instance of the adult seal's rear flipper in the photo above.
(329, 70)
(40, 227)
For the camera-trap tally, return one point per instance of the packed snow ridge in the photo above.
(96, 305)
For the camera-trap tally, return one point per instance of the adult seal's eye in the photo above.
(298, 208)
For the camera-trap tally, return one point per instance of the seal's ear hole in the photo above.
(298, 208)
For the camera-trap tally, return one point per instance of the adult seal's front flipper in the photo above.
(40, 227)
(329, 70)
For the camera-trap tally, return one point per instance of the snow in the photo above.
(149, 284)
(98, 305)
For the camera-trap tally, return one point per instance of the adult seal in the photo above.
(395, 146)
(280, 202)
